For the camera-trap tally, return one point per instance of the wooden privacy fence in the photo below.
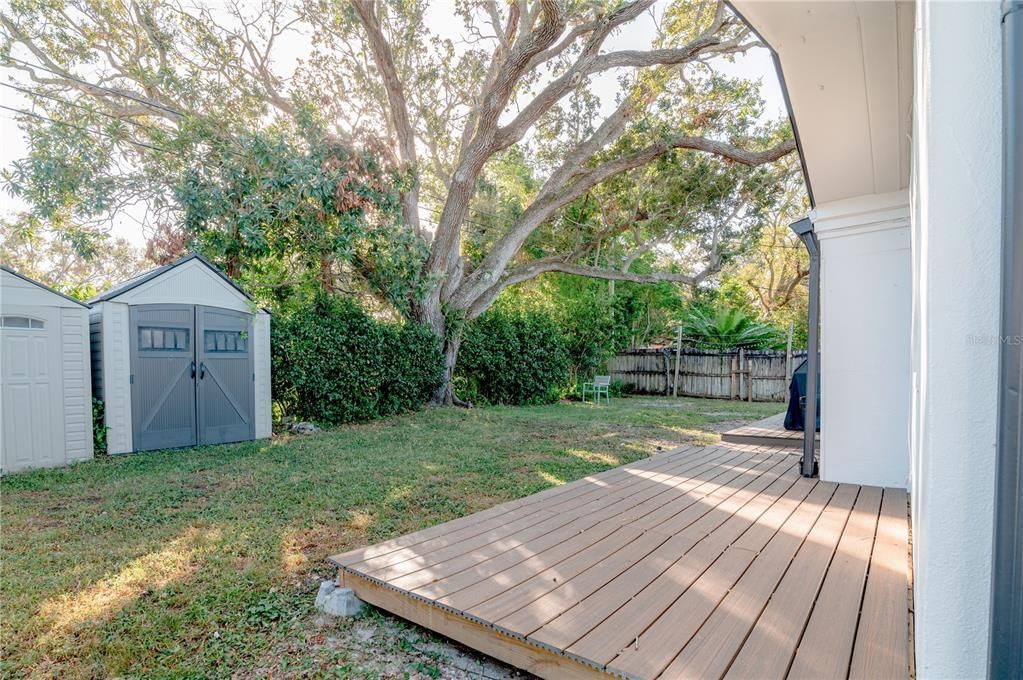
(752, 375)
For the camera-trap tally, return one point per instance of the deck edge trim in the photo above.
(511, 637)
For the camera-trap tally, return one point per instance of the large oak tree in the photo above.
(163, 82)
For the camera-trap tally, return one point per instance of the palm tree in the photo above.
(727, 328)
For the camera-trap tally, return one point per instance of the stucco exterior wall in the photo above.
(866, 299)
(956, 243)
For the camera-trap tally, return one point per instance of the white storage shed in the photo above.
(45, 397)
(180, 357)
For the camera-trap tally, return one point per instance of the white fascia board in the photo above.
(861, 215)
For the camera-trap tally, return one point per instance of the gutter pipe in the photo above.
(804, 230)
(1005, 654)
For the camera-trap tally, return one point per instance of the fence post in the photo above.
(788, 355)
(749, 380)
(678, 362)
(742, 369)
(733, 391)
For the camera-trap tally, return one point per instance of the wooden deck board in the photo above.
(772, 642)
(498, 514)
(711, 652)
(626, 625)
(704, 562)
(538, 612)
(826, 646)
(769, 431)
(885, 613)
(426, 541)
(679, 626)
(500, 584)
(591, 612)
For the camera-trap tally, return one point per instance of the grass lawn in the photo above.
(204, 562)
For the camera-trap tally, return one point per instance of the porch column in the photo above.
(866, 308)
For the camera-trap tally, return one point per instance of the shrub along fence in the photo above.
(512, 358)
(333, 363)
(753, 375)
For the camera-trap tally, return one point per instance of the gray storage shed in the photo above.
(180, 357)
(44, 376)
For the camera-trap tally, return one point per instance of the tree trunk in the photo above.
(445, 394)
(326, 273)
(431, 315)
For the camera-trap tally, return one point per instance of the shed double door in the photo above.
(192, 376)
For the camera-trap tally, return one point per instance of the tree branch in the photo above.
(260, 59)
(397, 104)
(508, 246)
(555, 264)
(474, 155)
(590, 62)
(604, 24)
(64, 78)
(534, 269)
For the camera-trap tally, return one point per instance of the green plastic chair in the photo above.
(601, 385)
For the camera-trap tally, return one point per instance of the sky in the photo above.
(756, 64)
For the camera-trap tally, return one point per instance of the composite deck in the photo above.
(767, 432)
(706, 562)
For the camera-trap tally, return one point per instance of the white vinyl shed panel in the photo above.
(192, 282)
(45, 390)
(114, 351)
(74, 327)
(261, 347)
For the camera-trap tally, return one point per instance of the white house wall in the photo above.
(261, 359)
(847, 69)
(116, 376)
(854, 135)
(866, 307)
(956, 241)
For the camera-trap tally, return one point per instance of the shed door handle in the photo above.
(202, 370)
(193, 370)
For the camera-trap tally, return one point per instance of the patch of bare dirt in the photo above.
(664, 403)
(726, 425)
(376, 645)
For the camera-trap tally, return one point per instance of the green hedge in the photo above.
(512, 358)
(333, 363)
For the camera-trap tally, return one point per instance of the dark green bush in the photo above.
(333, 363)
(99, 428)
(415, 367)
(512, 358)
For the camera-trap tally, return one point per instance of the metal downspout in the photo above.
(804, 229)
(1006, 644)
